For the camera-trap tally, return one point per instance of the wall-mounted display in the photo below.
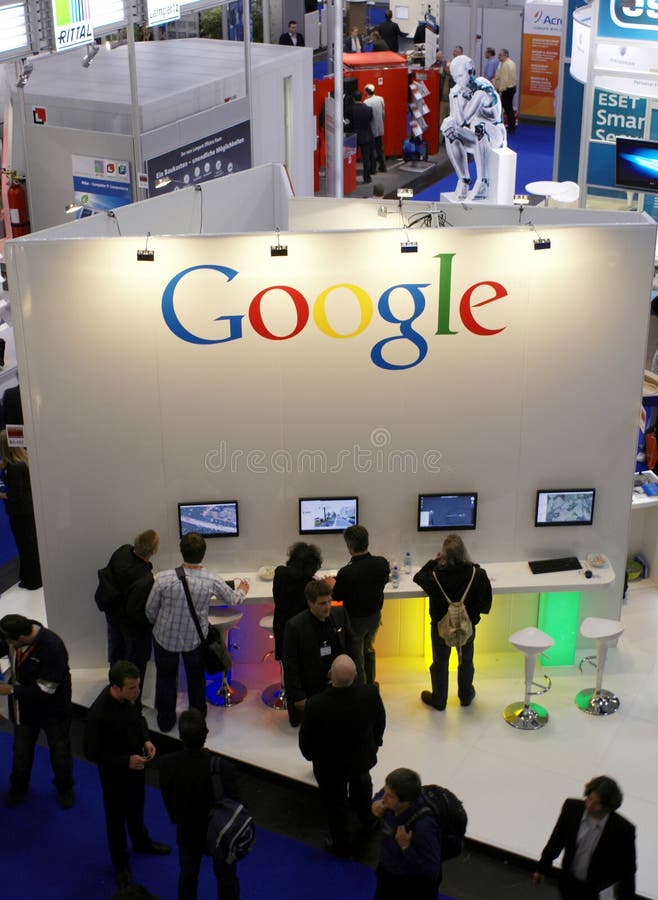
(327, 515)
(636, 164)
(565, 507)
(447, 512)
(217, 518)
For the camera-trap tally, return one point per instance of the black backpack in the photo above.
(108, 595)
(231, 830)
(450, 816)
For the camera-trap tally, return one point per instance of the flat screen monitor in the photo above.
(327, 515)
(565, 507)
(636, 164)
(447, 512)
(217, 518)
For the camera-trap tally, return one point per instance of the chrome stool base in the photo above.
(274, 696)
(221, 693)
(597, 703)
(525, 718)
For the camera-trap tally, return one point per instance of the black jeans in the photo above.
(123, 802)
(364, 630)
(189, 858)
(341, 790)
(507, 101)
(133, 644)
(393, 887)
(59, 745)
(439, 668)
(166, 684)
(25, 536)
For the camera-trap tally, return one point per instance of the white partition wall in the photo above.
(220, 372)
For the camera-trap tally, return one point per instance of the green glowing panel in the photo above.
(558, 616)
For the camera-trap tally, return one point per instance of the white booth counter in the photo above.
(505, 577)
(550, 601)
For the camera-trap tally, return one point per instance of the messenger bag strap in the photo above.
(180, 571)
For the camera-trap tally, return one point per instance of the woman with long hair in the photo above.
(303, 562)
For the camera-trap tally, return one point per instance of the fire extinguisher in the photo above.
(18, 216)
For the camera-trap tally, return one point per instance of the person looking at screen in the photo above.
(303, 562)
(449, 579)
(360, 586)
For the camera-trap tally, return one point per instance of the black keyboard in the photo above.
(542, 566)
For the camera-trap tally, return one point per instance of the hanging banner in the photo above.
(540, 64)
(72, 23)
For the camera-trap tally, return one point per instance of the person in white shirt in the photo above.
(378, 107)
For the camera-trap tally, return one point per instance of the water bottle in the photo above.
(395, 577)
(407, 563)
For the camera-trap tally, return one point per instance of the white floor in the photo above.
(512, 783)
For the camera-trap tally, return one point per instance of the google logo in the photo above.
(479, 294)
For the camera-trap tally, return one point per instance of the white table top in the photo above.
(506, 578)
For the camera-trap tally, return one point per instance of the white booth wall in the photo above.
(187, 89)
(125, 419)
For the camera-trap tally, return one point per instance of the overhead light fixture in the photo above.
(146, 255)
(521, 200)
(408, 247)
(24, 74)
(405, 193)
(542, 243)
(382, 211)
(278, 249)
(167, 179)
(73, 207)
(90, 53)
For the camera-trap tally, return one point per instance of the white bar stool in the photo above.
(274, 695)
(527, 716)
(597, 701)
(226, 691)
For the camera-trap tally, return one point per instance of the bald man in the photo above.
(343, 728)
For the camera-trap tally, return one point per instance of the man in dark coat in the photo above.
(40, 686)
(341, 731)
(391, 31)
(128, 630)
(116, 737)
(186, 782)
(360, 122)
(292, 37)
(447, 579)
(312, 640)
(598, 844)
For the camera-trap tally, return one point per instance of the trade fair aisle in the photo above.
(512, 783)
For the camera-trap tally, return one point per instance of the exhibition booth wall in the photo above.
(347, 367)
(191, 106)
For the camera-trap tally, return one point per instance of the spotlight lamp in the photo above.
(146, 255)
(24, 73)
(278, 249)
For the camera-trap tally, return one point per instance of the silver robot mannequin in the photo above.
(475, 125)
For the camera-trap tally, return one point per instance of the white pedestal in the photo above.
(502, 179)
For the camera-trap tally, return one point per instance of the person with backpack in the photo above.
(124, 587)
(410, 850)
(188, 783)
(459, 592)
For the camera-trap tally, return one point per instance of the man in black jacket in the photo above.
(128, 630)
(360, 586)
(188, 794)
(341, 731)
(360, 122)
(41, 689)
(447, 579)
(598, 844)
(312, 640)
(391, 31)
(116, 737)
(292, 37)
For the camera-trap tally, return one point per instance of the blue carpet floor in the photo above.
(62, 855)
(533, 145)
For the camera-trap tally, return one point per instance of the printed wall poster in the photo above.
(540, 65)
(100, 184)
(213, 156)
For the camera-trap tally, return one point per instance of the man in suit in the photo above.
(292, 37)
(186, 782)
(312, 640)
(598, 844)
(390, 31)
(360, 122)
(342, 729)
